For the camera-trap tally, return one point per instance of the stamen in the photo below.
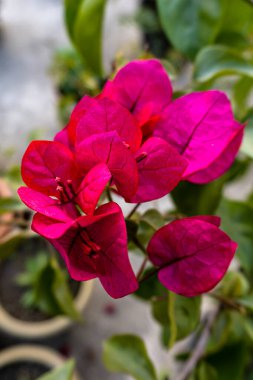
(126, 145)
(70, 186)
(141, 157)
(61, 193)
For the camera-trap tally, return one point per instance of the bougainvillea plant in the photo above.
(133, 139)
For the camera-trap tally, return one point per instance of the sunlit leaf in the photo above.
(65, 372)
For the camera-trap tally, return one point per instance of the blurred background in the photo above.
(50, 56)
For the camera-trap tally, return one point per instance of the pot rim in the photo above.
(43, 329)
(33, 353)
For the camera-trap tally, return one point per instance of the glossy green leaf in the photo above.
(87, 33)
(237, 222)
(190, 25)
(247, 144)
(216, 60)
(127, 354)
(65, 372)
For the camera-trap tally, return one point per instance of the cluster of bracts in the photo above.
(135, 140)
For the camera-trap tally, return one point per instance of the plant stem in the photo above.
(138, 244)
(199, 349)
(148, 275)
(142, 267)
(108, 193)
(227, 302)
(133, 211)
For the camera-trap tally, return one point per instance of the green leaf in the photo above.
(241, 96)
(230, 361)
(150, 288)
(190, 25)
(234, 285)
(237, 222)
(200, 199)
(247, 144)
(10, 242)
(179, 316)
(62, 293)
(87, 33)
(65, 372)
(70, 12)
(128, 354)
(216, 60)
(204, 371)
(9, 204)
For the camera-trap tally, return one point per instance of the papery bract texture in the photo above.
(43, 162)
(160, 169)
(143, 87)
(202, 129)
(193, 254)
(93, 246)
(108, 148)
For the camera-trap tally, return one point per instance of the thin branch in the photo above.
(133, 211)
(228, 302)
(150, 274)
(142, 267)
(199, 349)
(138, 244)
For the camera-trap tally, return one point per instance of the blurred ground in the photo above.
(31, 31)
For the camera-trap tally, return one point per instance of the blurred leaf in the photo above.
(65, 372)
(200, 199)
(87, 33)
(150, 288)
(128, 354)
(230, 361)
(234, 285)
(62, 292)
(70, 12)
(9, 204)
(246, 301)
(204, 371)
(220, 333)
(237, 222)
(241, 93)
(178, 315)
(154, 218)
(47, 287)
(10, 242)
(216, 60)
(190, 25)
(237, 18)
(247, 144)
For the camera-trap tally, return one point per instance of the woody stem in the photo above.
(142, 267)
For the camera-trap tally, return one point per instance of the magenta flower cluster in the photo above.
(139, 142)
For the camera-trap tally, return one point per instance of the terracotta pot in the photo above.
(32, 354)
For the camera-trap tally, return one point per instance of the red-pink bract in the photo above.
(93, 246)
(202, 128)
(160, 169)
(108, 148)
(193, 254)
(143, 87)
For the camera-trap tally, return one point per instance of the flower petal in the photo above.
(193, 255)
(160, 169)
(200, 126)
(46, 205)
(105, 116)
(138, 85)
(50, 228)
(221, 164)
(92, 187)
(108, 148)
(43, 161)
